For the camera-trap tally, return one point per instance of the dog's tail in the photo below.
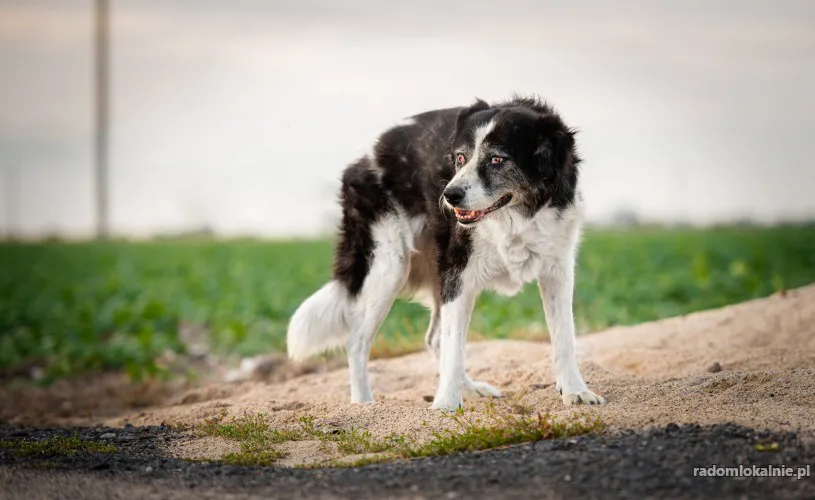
(320, 323)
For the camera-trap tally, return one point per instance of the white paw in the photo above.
(364, 402)
(582, 397)
(447, 406)
(447, 402)
(362, 397)
(573, 390)
(482, 389)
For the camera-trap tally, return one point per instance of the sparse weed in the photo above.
(471, 431)
(59, 445)
(492, 429)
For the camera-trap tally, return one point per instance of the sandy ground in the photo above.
(751, 364)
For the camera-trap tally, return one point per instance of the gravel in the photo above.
(656, 463)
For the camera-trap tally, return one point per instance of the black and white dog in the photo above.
(448, 204)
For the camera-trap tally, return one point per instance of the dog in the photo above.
(447, 204)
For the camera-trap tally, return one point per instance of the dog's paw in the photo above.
(582, 397)
(482, 389)
(364, 402)
(447, 402)
(362, 396)
(573, 390)
(447, 407)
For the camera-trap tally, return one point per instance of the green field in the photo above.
(90, 306)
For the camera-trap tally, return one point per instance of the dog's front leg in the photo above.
(557, 289)
(455, 319)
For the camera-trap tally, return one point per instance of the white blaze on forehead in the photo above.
(479, 136)
(467, 177)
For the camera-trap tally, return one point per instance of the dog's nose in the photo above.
(454, 195)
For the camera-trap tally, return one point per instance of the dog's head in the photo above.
(518, 155)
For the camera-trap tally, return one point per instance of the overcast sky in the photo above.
(241, 115)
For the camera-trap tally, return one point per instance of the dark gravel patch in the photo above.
(136, 446)
(657, 463)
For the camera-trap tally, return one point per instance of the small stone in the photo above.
(127, 437)
(715, 368)
(37, 373)
(108, 435)
(429, 399)
(148, 469)
(567, 478)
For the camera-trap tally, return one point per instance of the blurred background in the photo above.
(229, 114)
(222, 119)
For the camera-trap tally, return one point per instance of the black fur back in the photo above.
(411, 165)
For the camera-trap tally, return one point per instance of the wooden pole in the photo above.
(101, 77)
(11, 188)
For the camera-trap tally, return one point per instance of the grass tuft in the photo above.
(59, 445)
(254, 435)
(252, 456)
(359, 462)
(472, 431)
(483, 431)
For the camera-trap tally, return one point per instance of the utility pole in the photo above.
(101, 78)
(11, 188)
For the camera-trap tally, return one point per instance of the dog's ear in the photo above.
(478, 105)
(556, 145)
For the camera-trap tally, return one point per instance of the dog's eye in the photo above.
(496, 160)
(460, 160)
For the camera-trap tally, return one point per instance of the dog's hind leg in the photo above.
(433, 336)
(390, 265)
(480, 388)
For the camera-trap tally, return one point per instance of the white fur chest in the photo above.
(510, 251)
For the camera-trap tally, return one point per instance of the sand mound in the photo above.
(751, 363)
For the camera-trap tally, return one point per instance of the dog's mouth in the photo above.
(473, 216)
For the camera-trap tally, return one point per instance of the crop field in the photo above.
(73, 307)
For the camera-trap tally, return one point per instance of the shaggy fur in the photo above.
(448, 204)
